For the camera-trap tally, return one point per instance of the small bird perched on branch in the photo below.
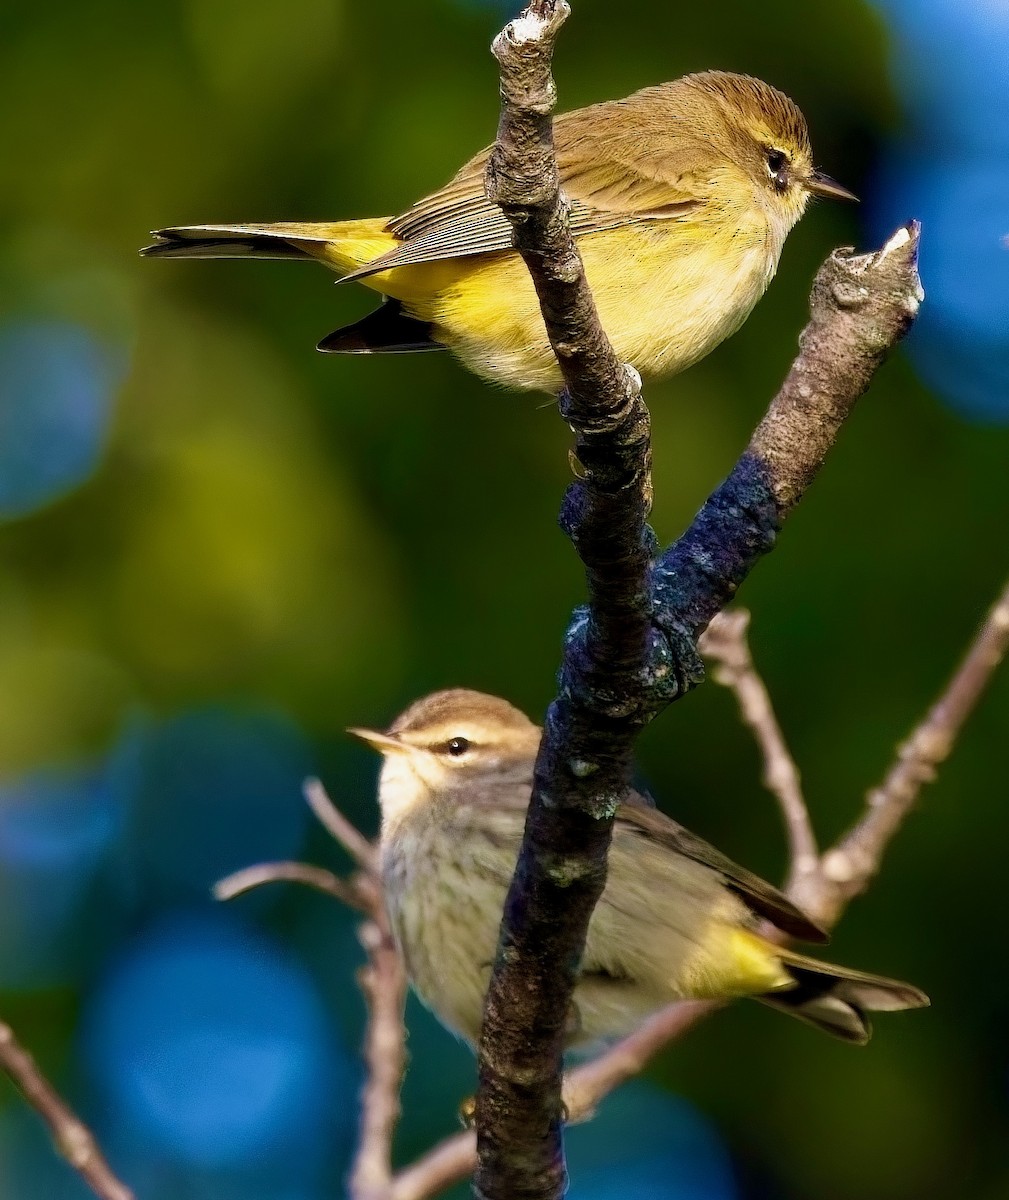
(676, 921)
(681, 197)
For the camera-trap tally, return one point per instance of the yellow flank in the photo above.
(734, 962)
(667, 292)
(351, 244)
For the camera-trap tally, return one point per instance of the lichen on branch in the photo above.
(633, 648)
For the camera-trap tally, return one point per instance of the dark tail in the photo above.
(836, 1000)
(387, 330)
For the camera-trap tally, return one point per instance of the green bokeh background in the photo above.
(335, 537)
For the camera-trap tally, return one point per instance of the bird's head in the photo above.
(451, 741)
(763, 134)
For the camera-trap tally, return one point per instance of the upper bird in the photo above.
(681, 198)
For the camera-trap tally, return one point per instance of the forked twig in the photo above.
(824, 892)
(382, 980)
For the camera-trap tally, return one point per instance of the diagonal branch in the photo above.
(725, 643)
(850, 866)
(861, 305)
(71, 1137)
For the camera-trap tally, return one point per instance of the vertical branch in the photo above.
(382, 981)
(584, 765)
(633, 649)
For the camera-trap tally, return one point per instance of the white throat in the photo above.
(402, 789)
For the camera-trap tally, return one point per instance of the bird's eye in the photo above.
(457, 747)
(777, 166)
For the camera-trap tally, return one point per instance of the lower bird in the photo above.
(681, 197)
(677, 920)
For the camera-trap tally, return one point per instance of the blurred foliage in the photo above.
(310, 542)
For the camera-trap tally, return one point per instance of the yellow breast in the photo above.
(667, 293)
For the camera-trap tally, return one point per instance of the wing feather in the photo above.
(639, 818)
(758, 894)
(611, 175)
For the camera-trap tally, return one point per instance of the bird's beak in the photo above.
(822, 185)
(384, 743)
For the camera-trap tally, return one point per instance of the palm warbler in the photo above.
(677, 919)
(681, 198)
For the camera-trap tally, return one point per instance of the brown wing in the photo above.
(611, 170)
(639, 817)
(760, 896)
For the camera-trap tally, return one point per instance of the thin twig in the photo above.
(441, 1167)
(725, 642)
(342, 830)
(850, 866)
(71, 1137)
(592, 1082)
(382, 980)
(311, 876)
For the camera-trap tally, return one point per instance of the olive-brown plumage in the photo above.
(677, 919)
(681, 198)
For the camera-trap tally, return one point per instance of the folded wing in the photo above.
(609, 174)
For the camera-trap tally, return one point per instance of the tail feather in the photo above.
(237, 241)
(839, 1018)
(386, 330)
(217, 247)
(342, 245)
(836, 999)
